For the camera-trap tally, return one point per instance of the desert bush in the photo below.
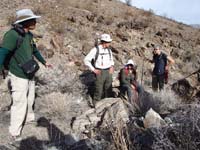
(86, 5)
(128, 2)
(82, 34)
(188, 68)
(40, 10)
(57, 21)
(10, 19)
(137, 23)
(128, 14)
(56, 103)
(148, 13)
(167, 99)
(120, 136)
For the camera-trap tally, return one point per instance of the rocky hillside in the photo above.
(65, 34)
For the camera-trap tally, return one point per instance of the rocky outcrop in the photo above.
(107, 111)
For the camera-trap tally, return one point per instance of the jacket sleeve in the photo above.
(123, 79)
(3, 53)
(89, 57)
(39, 57)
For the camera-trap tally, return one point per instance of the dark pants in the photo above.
(127, 89)
(103, 85)
(158, 82)
(130, 92)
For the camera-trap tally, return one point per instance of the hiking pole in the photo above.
(185, 77)
(142, 71)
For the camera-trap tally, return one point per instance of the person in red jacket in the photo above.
(128, 81)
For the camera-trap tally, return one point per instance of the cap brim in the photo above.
(33, 17)
(129, 64)
(108, 41)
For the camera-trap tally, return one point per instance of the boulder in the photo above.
(108, 110)
(153, 119)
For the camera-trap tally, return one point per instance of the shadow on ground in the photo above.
(57, 138)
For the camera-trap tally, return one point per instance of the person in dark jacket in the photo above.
(128, 81)
(161, 66)
(22, 87)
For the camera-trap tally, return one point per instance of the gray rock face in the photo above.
(107, 111)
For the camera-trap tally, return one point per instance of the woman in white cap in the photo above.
(100, 62)
(128, 81)
(19, 42)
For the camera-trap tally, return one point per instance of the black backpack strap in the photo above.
(109, 51)
(18, 44)
(11, 54)
(97, 54)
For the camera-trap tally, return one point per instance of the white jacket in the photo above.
(104, 59)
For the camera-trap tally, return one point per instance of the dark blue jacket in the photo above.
(160, 62)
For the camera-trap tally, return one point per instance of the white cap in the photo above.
(25, 14)
(130, 62)
(106, 38)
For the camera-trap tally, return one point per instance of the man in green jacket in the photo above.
(22, 87)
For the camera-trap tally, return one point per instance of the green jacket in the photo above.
(24, 53)
(126, 78)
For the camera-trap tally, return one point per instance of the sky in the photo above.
(185, 11)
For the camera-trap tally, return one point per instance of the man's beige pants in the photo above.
(23, 95)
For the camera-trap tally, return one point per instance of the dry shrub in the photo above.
(109, 20)
(167, 100)
(40, 10)
(145, 13)
(120, 136)
(57, 21)
(139, 20)
(128, 2)
(87, 4)
(188, 68)
(57, 103)
(10, 19)
(128, 14)
(82, 34)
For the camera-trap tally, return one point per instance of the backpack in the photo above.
(19, 41)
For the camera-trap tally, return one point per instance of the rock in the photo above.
(153, 119)
(107, 110)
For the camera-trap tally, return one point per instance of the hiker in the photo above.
(161, 67)
(100, 62)
(128, 81)
(20, 77)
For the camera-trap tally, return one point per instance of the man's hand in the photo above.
(167, 67)
(111, 70)
(133, 87)
(47, 65)
(97, 71)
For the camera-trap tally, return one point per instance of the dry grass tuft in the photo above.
(56, 103)
(120, 136)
